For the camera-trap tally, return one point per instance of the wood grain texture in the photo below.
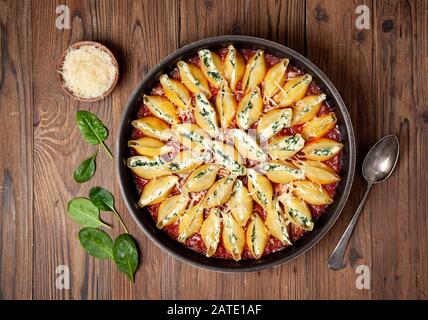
(381, 74)
(16, 152)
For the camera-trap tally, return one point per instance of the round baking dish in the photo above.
(144, 219)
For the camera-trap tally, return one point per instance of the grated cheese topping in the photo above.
(88, 71)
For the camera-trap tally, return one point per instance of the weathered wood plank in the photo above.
(16, 152)
(399, 206)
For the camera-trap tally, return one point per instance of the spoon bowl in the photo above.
(380, 161)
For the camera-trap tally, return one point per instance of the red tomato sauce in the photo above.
(195, 242)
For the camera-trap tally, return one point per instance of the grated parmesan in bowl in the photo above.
(88, 71)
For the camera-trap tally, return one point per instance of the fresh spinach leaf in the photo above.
(104, 200)
(96, 242)
(85, 170)
(125, 255)
(84, 212)
(92, 129)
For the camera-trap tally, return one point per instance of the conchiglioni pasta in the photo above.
(226, 105)
(235, 153)
(171, 209)
(273, 122)
(202, 178)
(276, 222)
(240, 203)
(205, 115)
(283, 148)
(176, 92)
(156, 190)
(151, 147)
(257, 236)
(249, 108)
(220, 192)
(293, 90)
(233, 236)
(275, 78)
(255, 71)
(161, 108)
(153, 127)
(234, 66)
(212, 67)
(193, 78)
(211, 231)
(190, 222)
(147, 168)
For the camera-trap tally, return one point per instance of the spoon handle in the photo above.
(335, 261)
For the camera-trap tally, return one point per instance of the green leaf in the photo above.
(85, 170)
(96, 242)
(104, 200)
(125, 255)
(84, 212)
(92, 129)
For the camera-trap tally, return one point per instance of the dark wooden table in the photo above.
(381, 73)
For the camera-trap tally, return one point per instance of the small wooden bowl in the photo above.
(76, 46)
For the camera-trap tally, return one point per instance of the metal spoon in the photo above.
(378, 165)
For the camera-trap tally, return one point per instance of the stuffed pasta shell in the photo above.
(293, 90)
(257, 236)
(202, 178)
(176, 92)
(226, 105)
(156, 190)
(298, 212)
(317, 171)
(234, 66)
(322, 149)
(283, 148)
(151, 147)
(211, 231)
(282, 172)
(192, 136)
(241, 203)
(171, 209)
(185, 161)
(273, 122)
(255, 71)
(161, 108)
(233, 236)
(249, 108)
(307, 108)
(212, 67)
(220, 192)
(247, 146)
(260, 188)
(311, 192)
(275, 78)
(206, 115)
(276, 222)
(194, 80)
(190, 223)
(153, 127)
(319, 126)
(147, 168)
(227, 157)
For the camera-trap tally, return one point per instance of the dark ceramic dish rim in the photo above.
(144, 220)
